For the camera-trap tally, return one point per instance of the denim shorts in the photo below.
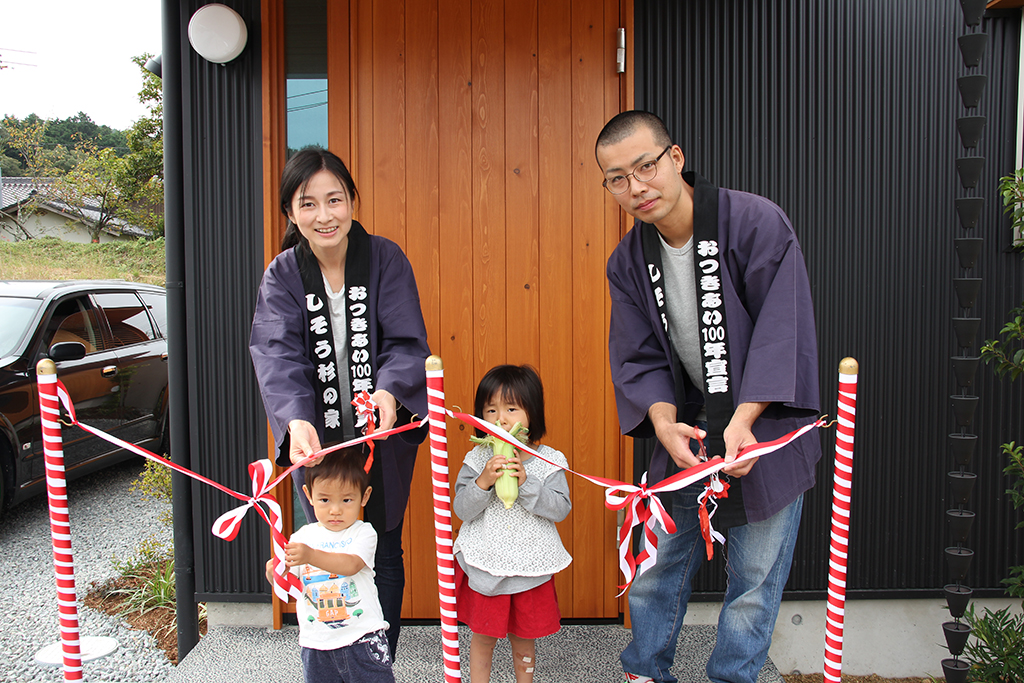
(368, 660)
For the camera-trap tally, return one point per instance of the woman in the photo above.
(338, 313)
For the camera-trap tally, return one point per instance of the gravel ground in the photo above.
(107, 521)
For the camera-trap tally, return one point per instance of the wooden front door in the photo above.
(470, 127)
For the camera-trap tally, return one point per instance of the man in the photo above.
(711, 335)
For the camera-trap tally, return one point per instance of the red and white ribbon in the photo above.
(440, 481)
(226, 526)
(841, 490)
(60, 526)
(364, 416)
(641, 504)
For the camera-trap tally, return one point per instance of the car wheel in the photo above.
(6, 473)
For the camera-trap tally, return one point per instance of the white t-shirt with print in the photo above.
(336, 611)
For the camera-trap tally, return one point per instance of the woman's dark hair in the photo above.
(518, 384)
(345, 465)
(303, 165)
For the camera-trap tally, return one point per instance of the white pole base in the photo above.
(91, 647)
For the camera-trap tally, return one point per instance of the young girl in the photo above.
(506, 557)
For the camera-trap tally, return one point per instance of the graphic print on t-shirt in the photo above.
(332, 597)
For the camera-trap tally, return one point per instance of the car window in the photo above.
(15, 316)
(75, 320)
(129, 323)
(157, 305)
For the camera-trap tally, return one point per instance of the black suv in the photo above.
(115, 370)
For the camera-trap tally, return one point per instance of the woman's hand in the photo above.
(387, 407)
(304, 441)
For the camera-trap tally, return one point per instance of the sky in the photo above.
(82, 57)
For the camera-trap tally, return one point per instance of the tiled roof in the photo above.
(14, 190)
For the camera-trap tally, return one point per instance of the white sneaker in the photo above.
(634, 678)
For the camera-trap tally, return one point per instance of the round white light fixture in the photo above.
(217, 33)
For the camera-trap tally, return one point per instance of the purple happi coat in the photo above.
(772, 341)
(398, 348)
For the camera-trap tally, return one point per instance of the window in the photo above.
(157, 305)
(75, 321)
(306, 73)
(129, 322)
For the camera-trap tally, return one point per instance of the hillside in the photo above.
(53, 259)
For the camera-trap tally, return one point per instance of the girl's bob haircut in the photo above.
(518, 384)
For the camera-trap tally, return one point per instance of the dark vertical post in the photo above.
(968, 209)
(177, 351)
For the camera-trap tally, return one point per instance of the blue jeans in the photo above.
(758, 558)
(388, 567)
(365, 661)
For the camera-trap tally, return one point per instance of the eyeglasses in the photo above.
(644, 173)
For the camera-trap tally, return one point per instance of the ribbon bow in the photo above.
(714, 489)
(227, 525)
(365, 405)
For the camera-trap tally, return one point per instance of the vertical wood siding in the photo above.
(844, 114)
(472, 135)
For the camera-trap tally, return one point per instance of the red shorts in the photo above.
(531, 614)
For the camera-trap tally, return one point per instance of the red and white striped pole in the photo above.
(443, 518)
(60, 522)
(841, 489)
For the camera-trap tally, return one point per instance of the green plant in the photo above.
(1015, 470)
(1008, 360)
(149, 551)
(996, 648)
(152, 590)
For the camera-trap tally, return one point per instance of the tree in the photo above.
(142, 179)
(101, 187)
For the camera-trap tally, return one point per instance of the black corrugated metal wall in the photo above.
(844, 114)
(222, 131)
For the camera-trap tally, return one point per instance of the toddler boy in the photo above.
(341, 625)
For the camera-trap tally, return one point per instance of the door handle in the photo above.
(163, 356)
(109, 371)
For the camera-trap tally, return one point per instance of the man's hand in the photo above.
(674, 436)
(738, 436)
(304, 441)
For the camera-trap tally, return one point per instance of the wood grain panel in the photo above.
(362, 98)
(446, 101)
(612, 437)
(422, 248)
(521, 184)
(274, 139)
(455, 180)
(389, 103)
(488, 35)
(554, 60)
(339, 83)
(596, 524)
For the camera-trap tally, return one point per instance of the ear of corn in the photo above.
(507, 486)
